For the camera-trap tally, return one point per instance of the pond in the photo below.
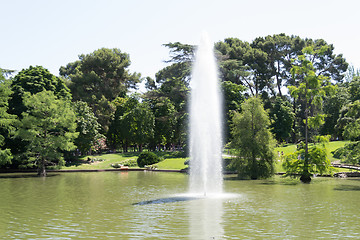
(151, 205)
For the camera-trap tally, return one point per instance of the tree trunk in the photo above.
(41, 169)
(278, 81)
(294, 123)
(279, 89)
(254, 174)
(125, 148)
(254, 170)
(305, 176)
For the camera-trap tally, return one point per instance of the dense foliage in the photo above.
(98, 78)
(28, 82)
(253, 141)
(314, 161)
(6, 119)
(282, 119)
(147, 158)
(34, 80)
(350, 153)
(87, 126)
(132, 124)
(49, 127)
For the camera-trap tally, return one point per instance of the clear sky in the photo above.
(52, 33)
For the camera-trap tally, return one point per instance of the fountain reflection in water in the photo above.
(206, 219)
(205, 123)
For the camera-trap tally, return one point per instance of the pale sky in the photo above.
(52, 33)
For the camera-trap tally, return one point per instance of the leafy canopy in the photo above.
(34, 80)
(316, 162)
(87, 126)
(49, 127)
(253, 141)
(99, 78)
(6, 120)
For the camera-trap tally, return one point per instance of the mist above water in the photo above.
(205, 122)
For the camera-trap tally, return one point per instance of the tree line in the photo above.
(306, 91)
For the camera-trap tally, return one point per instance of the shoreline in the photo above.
(91, 170)
(6, 171)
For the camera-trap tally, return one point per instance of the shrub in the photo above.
(130, 163)
(116, 165)
(147, 158)
(350, 153)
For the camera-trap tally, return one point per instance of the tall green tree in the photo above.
(334, 104)
(34, 80)
(350, 153)
(87, 126)
(242, 64)
(234, 96)
(6, 119)
(175, 94)
(354, 89)
(181, 58)
(282, 118)
(352, 128)
(327, 63)
(253, 141)
(49, 127)
(311, 87)
(118, 134)
(165, 121)
(99, 78)
(142, 122)
(280, 49)
(350, 94)
(133, 123)
(172, 83)
(31, 81)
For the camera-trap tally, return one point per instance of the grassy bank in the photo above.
(102, 161)
(330, 147)
(175, 160)
(172, 161)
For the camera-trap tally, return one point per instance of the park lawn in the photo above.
(287, 149)
(171, 161)
(336, 169)
(278, 167)
(332, 146)
(172, 164)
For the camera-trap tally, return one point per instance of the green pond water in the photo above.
(150, 205)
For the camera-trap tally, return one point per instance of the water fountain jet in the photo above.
(205, 123)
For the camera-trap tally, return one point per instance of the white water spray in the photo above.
(205, 122)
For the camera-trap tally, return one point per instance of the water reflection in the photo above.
(344, 187)
(26, 175)
(167, 200)
(206, 218)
